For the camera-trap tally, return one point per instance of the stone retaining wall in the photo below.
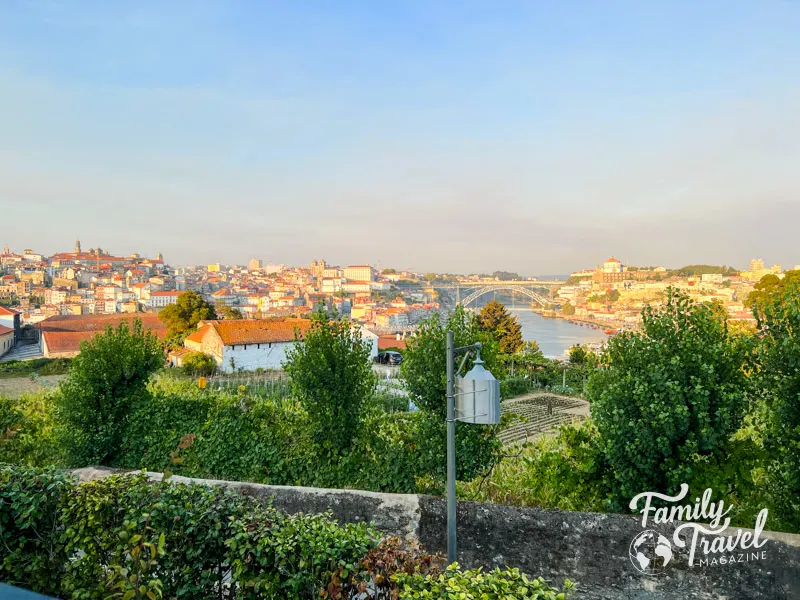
(590, 549)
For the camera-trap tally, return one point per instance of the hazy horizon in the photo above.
(446, 137)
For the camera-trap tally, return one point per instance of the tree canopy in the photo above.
(502, 325)
(331, 374)
(183, 316)
(105, 381)
(670, 393)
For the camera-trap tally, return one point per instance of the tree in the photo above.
(567, 309)
(228, 313)
(778, 314)
(183, 316)
(578, 355)
(506, 276)
(105, 382)
(769, 287)
(670, 393)
(424, 371)
(389, 272)
(504, 327)
(331, 374)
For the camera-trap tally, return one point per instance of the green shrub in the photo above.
(27, 431)
(674, 389)
(93, 540)
(198, 364)
(106, 381)
(565, 471)
(33, 554)
(454, 584)
(41, 366)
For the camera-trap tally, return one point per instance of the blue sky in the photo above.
(532, 136)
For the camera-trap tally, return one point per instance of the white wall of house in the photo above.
(250, 357)
(6, 342)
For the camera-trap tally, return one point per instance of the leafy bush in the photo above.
(199, 364)
(778, 312)
(331, 375)
(123, 535)
(676, 389)
(565, 471)
(106, 381)
(27, 431)
(33, 554)
(454, 584)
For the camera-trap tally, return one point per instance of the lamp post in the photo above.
(478, 402)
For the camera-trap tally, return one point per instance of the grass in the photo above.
(40, 366)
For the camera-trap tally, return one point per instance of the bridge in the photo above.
(467, 292)
(495, 288)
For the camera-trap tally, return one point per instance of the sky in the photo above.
(463, 136)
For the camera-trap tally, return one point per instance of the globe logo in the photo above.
(650, 552)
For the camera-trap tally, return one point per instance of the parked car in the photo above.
(389, 358)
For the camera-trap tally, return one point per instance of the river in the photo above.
(554, 336)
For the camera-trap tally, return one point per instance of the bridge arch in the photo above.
(510, 288)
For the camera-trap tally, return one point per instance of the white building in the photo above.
(162, 299)
(252, 344)
(359, 273)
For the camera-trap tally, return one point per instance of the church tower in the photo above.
(5, 249)
(77, 246)
(159, 256)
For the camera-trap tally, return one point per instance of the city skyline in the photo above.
(331, 260)
(447, 137)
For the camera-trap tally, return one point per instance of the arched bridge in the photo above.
(506, 288)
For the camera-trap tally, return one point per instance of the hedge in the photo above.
(124, 537)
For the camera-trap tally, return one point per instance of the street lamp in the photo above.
(478, 402)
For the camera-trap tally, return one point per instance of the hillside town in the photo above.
(63, 299)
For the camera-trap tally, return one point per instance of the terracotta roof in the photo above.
(260, 331)
(172, 293)
(95, 323)
(4, 330)
(8, 311)
(390, 341)
(198, 335)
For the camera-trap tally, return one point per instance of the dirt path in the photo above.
(18, 386)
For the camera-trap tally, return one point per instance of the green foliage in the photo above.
(32, 554)
(695, 270)
(424, 367)
(565, 471)
(105, 382)
(122, 537)
(779, 382)
(198, 364)
(424, 371)
(579, 355)
(332, 376)
(40, 366)
(183, 316)
(506, 276)
(567, 309)
(455, 584)
(227, 312)
(27, 431)
(503, 326)
(673, 390)
(768, 288)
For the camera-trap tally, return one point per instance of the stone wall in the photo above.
(590, 549)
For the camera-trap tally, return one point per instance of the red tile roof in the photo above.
(95, 323)
(8, 311)
(4, 330)
(260, 331)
